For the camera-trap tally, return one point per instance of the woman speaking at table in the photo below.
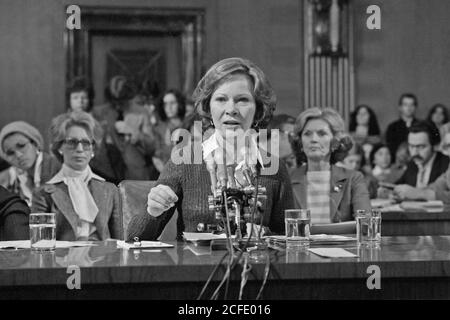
(86, 207)
(233, 96)
(332, 193)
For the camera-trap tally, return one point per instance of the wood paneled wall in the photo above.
(410, 53)
(32, 57)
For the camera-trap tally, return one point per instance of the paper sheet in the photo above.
(144, 245)
(380, 203)
(198, 236)
(333, 253)
(26, 244)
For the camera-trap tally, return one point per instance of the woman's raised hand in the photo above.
(161, 198)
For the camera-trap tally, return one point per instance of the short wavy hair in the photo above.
(341, 143)
(61, 124)
(225, 69)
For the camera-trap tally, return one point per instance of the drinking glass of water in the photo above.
(42, 231)
(297, 222)
(368, 227)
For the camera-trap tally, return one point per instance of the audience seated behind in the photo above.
(438, 116)
(364, 129)
(128, 143)
(86, 207)
(426, 164)
(285, 126)
(445, 143)
(438, 190)
(380, 160)
(171, 110)
(22, 146)
(355, 161)
(14, 214)
(397, 131)
(332, 193)
(79, 95)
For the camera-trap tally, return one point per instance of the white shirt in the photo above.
(82, 201)
(423, 173)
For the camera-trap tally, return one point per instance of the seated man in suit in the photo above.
(438, 190)
(426, 164)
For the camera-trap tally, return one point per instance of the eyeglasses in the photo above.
(20, 146)
(73, 143)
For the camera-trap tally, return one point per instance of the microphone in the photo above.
(211, 166)
(230, 174)
(222, 175)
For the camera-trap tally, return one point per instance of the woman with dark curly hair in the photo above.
(364, 129)
(332, 193)
(233, 97)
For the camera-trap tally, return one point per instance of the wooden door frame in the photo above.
(186, 23)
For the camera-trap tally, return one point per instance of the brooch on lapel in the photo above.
(49, 188)
(337, 188)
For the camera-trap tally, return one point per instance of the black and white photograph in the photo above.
(223, 157)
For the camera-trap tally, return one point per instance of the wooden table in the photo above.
(411, 267)
(415, 223)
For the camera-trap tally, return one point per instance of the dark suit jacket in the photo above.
(440, 165)
(348, 192)
(396, 133)
(55, 198)
(14, 214)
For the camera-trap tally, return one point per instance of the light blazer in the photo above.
(348, 192)
(55, 198)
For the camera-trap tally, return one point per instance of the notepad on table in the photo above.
(202, 236)
(143, 245)
(26, 244)
(428, 206)
(332, 253)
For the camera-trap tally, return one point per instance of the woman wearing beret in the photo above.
(233, 96)
(86, 207)
(21, 145)
(332, 193)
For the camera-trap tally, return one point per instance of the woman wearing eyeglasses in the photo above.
(86, 207)
(21, 145)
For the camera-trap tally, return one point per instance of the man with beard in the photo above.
(426, 164)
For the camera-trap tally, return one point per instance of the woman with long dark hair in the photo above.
(364, 129)
(171, 110)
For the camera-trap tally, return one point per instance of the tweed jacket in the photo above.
(55, 198)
